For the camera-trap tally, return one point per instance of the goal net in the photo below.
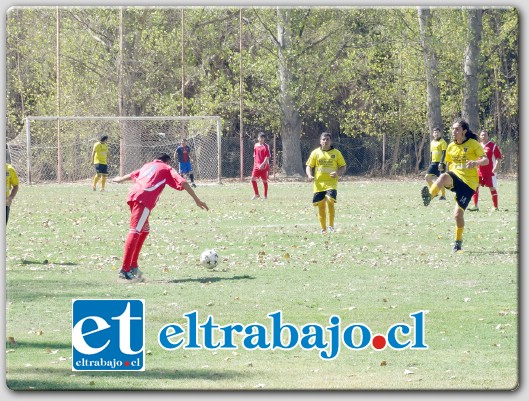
(59, 149)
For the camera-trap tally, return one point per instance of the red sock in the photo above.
(475, 197)
(265, 185)
(255, 189)
(130, 246)
(494, 194)
(139, 244)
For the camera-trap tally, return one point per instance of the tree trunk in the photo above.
(431, 67)
(290, 118)
(470, 96)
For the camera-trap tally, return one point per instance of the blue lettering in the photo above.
(168, 331)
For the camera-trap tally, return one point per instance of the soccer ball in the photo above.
(161, 134)
(209, 258)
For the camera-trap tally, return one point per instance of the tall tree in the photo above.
(471, 68)
(431, 68)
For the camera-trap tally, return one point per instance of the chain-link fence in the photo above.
(59, 149)
(135, 141)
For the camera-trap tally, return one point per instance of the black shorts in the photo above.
(101, 168)
(434, 169)
(319, 196)
(463, 191)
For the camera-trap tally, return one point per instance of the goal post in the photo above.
(59, 149)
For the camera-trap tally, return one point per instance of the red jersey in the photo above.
(260, 153)
(150, 181)
(492, 151)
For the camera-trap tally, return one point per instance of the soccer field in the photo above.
(390, 257)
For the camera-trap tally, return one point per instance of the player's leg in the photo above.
(330, 199)
(254, 185)
(134, 266)
(192, 178)
(103, 170)
(319, 201)
(444, 181)
(475, 200)
(265, 184)
(494, 192)
(139, 217)
(459, 214)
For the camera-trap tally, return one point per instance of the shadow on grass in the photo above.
(493, 252)
(47, 262)
(53, 379)
(207, 279)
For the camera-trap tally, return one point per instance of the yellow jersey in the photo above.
(101, 152)
(11, 179)
(436, 148)
(458, 155)
(324, 162)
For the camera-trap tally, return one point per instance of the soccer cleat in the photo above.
(323, 231)
(457, 246)
(331, 229)
(255, 197)
(136, 272)
(426, 196)
(442, 198)
(93, 188)
(193, 185)
(264, 198)
(496, 209)
(126, 275)
(473, 209)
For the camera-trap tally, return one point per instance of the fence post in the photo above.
(28, 150)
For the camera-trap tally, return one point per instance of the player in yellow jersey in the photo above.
(99, 158)
(328, 164)
(437, 164)
(463, 157)
(11, 187)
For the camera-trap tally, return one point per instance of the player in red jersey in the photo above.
(150, 181)
(487, 174)
(261, 165)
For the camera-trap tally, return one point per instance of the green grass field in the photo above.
(390, 257)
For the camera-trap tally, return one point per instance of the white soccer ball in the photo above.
(209, 258)
(162, 134)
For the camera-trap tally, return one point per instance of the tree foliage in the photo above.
(357, 72)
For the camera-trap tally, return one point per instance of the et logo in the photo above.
(108, 335)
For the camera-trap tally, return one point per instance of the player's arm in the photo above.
(442, 165)
(12, 195)
(481, 161)
(264, 163)
(93, 155)
(197, 200)
(119, 180)
(496, 164)
(308, 171)
(339, 172)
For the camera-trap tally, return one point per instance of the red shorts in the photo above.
(139, 217)
(262, 174)
(488, 181)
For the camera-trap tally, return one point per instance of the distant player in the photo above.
(463, 156)
(11, 187)
(437, 165)
(261, 165)
(99, 158)
(183, 155)
(328, 165)
(150, 180)
(487, 174)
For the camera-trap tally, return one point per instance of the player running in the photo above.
(328, 164)
(150, 180)
(261, 165)
(487, 174)
(463, 156)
